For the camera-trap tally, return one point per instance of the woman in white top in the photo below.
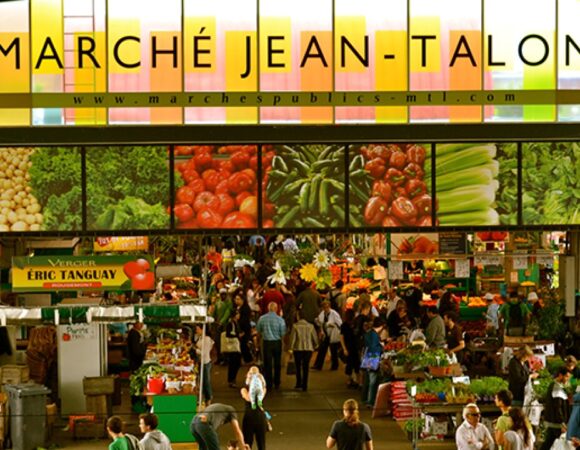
(203, 346)
(520, 436)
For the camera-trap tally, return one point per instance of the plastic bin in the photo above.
(27, 406)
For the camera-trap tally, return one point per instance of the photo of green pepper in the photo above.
(304, 186)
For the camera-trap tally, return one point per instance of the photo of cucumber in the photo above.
(304, 186)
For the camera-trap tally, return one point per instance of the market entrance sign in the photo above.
(74, 273)
(244, 61)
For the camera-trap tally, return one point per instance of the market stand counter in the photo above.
(175, 412)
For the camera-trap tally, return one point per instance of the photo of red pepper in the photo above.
(212, 184)
(388, 186)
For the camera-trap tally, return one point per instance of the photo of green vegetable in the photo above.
(388, 186)
(476, 184)
(127, 188)
(304, 185)
(551, 183)
(54, 187)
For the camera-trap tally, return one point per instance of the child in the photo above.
(256, 385)
(233, 445)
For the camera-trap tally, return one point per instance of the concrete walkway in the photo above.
(301, 420)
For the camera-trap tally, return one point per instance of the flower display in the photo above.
(309, 272)
(278, 276)
(322, 259)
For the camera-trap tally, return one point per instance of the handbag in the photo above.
(291, 367)
(370, 361)
(229, 344)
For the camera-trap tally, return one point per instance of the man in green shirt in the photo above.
(223, 309)
(121, 441)
(435, 331)
(514, 315)
(503, 400)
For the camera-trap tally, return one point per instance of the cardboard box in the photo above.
(14, 374)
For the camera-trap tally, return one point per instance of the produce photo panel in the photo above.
(216, 187)
(390, 185)
(476, 184)
(127, 188)
(304, 186)
(40, 189)
(551, 183)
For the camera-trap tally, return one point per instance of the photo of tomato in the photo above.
(216, 187)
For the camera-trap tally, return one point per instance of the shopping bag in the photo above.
(370, 361)
(291, 366)
(562, 444)
(229, 344)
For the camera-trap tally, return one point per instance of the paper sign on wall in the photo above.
(520, 262)
(546, 260)
(395, 270)
(488, 260)
(461, 268)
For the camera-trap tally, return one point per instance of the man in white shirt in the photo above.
(473, 435)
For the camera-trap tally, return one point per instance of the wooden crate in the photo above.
(99, 385)
(14, 374)
(100, 405)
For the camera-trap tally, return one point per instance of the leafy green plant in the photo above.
(551, 317)
(138, 380)
(434, 358)
(487, 386)
(414, 424)
(542, 384)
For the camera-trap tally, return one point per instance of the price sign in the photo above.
(395, 270)
(520, 262)
(546, 260)
(488, 260)
(461, 268)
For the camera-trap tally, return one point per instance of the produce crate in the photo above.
(14, 374)
(99, 385)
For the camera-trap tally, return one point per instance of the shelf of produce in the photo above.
(472, 313)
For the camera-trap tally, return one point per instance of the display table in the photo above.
(175, 412)
(455, 409)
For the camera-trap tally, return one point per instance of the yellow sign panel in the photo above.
(121, 244)
(72, 273)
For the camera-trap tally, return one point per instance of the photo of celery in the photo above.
(469, 187)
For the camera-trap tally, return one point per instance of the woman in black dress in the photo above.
(245, 323)
(254, 423)
(350, 348)
(233, 358)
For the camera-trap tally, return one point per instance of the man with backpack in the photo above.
(514, 315)
(336, 298)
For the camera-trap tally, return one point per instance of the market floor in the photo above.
(300, 419)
